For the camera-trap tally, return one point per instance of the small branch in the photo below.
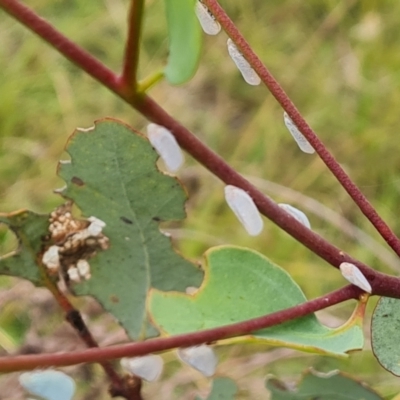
(277, 91)
(29, 362)
(189, 142)
(131, 58)
(74, 318)
(266, 206)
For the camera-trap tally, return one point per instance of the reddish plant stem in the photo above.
(277, 91)
(194, 146)
(29, 362)
(380, 283)
(131, 57)
(74, 318)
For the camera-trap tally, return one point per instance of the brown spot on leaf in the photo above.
(114, 299)
(77, 181)
(126, 220)
(157, 219)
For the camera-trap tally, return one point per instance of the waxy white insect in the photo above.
(83, 268)
(51, 258)
(295, 213)
(301, 141)
(206, 19)
(96, 226)
(48, 384)
(245, 210)
(202, 358)
(191, 290)
(147, 367)
(166, 146)
(248, 73)
(73, 274)
(355, 276)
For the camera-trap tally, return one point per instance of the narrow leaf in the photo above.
(184, 40)
(241, 284)
(316, 385)
(385, 328)
(113, 177)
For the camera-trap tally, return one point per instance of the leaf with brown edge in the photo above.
(113, 176)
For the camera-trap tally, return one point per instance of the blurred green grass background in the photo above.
(338, 61)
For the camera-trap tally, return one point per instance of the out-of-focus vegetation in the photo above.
(339, 62)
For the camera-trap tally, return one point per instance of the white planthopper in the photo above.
(301, 141)
(48, 384)
(147, 367)
(248, 73)
(166, 146)
(206, 19)
(351, 273)
(245, 210)
(202, 358)
(295, 213)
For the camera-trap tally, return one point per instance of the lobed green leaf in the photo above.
(241, 284)
(113, 176)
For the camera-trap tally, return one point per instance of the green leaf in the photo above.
(184, 40)
(385, 334)
(113, 176)
(222, 389)
(241, 284)
(315, 385)
(30, 229)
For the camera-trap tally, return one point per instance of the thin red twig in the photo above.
(188, 141)
(29, 362)
(131, 57)
(118, 385)
(277, 91)
(381, 284)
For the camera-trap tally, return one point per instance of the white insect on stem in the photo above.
(206, 19)
(245, 210)
(351, 273)
(147, 367)
(48, 384)
(201, 358)
(248, 73)
(166, 146)
(300, 139)
(295, 213)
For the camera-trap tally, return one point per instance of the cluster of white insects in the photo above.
(202, 358)
(75, 242)
(237, 199)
